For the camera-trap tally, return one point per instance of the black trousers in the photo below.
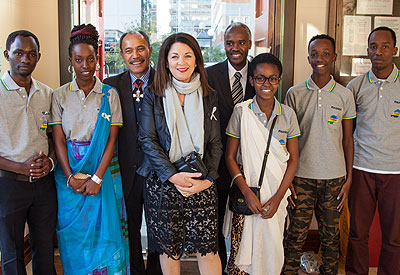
(36, 204)
(134, 208)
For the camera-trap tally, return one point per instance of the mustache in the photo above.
(136, 60)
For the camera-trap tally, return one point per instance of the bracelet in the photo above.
(96, 179)
(52, 163)
(236, 176)
(210, 179)
(69, 178)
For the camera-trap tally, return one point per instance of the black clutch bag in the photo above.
(237, 202)
(192, 163)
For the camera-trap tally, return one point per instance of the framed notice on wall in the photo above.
(350, 22)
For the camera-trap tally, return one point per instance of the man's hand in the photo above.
(36, 167)
(344, 193)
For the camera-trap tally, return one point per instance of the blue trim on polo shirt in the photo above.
(308, 87)
(232, 135)
(4, 84)
(369, 77)
(352, 117)
(397, 76)
(330, 90)
(294, 136)
(116, 124)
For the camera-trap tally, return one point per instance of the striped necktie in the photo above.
(237, 89)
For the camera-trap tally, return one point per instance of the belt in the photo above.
(14, 176)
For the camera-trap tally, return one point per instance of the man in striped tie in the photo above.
(229, 79)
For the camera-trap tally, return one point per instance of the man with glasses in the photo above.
(230, 80)
(325, 111)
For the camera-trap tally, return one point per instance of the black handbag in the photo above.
(237, 202)
(192, 163)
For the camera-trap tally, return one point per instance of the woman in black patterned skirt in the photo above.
(180, 117)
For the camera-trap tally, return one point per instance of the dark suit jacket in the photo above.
(130, 153)
(218, 78)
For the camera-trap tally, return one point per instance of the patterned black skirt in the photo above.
(177, 222)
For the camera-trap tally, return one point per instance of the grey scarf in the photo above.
(186, 127)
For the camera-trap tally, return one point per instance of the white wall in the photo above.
(311, 19)
(41, 18)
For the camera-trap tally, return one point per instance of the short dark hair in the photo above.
(163, 77)
(11, 38)
(267, 58)
(145, 36)
(322, 36)
(86, 34)
(384, 29)
(238, 25)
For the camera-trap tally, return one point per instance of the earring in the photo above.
(70, 69)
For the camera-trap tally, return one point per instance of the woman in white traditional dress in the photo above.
(257, 240)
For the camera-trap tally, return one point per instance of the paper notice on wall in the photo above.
(391, 22)
(355, 34)
(360, 66)
(374, 6)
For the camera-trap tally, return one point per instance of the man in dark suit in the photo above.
(229, 79)
(135, 51)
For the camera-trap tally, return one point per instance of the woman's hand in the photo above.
(89, 188)
(270, 207)
(197, 186)
(76, 184)
(252, 201)
(187, 185)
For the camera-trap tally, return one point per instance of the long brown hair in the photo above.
(163, 77)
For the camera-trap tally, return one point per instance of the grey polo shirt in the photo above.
(23, 119)
(286, 126)
(320, 113)
(378, 122)
(78, 114)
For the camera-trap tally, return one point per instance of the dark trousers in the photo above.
(366, 191)
(222, 191)
(319, 196)
(134, 208)
(36, 204)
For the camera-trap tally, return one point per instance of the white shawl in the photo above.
(261, 247)
(186, 128)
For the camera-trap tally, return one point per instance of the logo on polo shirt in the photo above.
(282, 142)
(333, 119)
(396, 113)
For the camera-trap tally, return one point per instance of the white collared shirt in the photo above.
(243, 72)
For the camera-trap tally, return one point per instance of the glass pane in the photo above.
(206, 20)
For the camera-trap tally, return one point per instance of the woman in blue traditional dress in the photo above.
(86, 116)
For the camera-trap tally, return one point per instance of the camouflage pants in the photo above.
(319, 196)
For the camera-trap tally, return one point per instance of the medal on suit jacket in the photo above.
(137, 89)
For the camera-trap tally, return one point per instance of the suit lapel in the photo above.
(226, 84)
(127, 97)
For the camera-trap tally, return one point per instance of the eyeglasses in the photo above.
(260, 79)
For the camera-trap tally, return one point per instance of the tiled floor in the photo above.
(189, 267)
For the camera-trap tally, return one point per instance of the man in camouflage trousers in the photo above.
(325, 111)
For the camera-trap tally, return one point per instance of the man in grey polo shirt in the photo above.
(325, 110)
(27, 190)
(376, 173)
